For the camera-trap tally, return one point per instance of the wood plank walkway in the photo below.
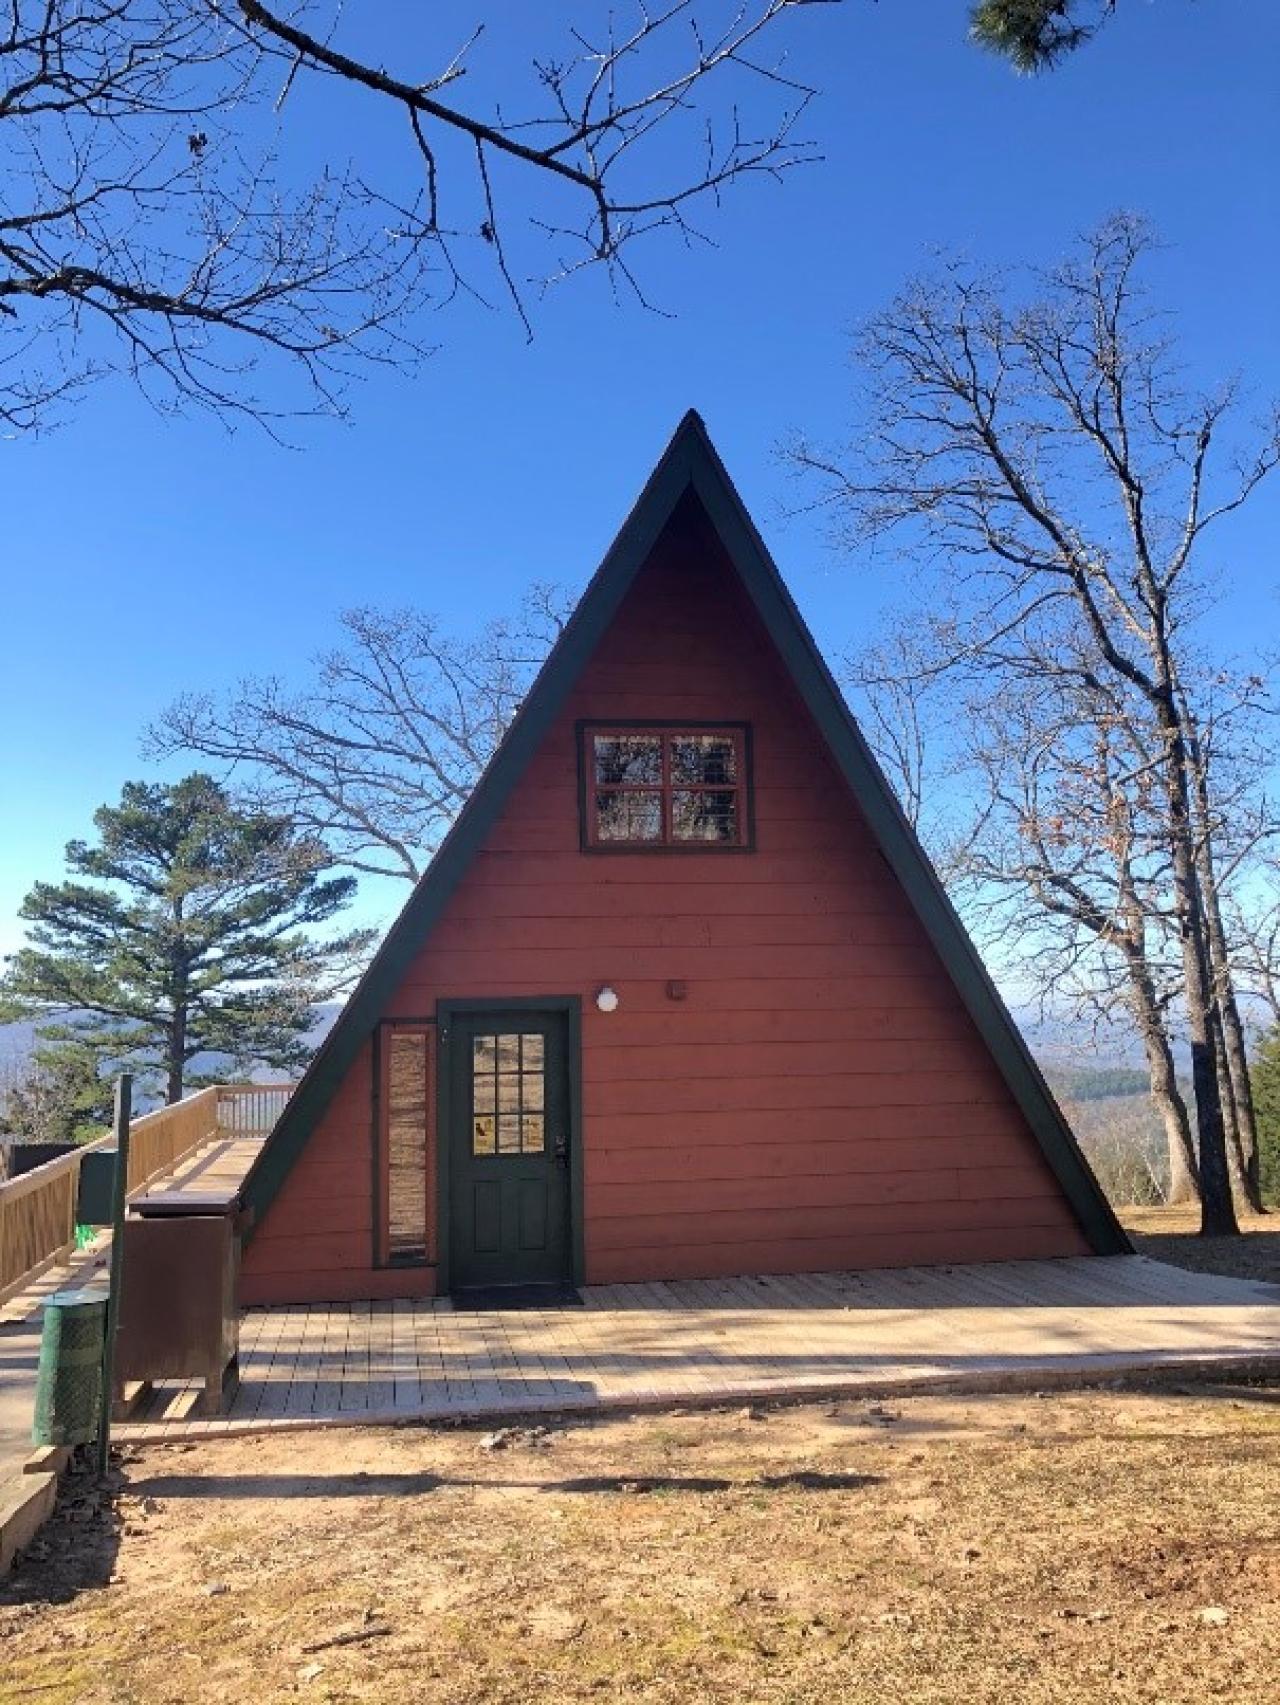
(1009, 1326)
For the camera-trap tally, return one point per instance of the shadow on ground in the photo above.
(75, 1551)
(234, 1486)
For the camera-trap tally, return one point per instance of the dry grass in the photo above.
(1095, 1547)
(1170, 1234)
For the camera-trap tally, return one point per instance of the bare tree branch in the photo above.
(159, 217)
(1043, 454)
(379, 753)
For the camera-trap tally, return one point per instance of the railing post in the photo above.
(124, 1107)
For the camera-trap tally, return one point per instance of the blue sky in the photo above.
(145, 555)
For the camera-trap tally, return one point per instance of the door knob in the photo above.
(560, 1148)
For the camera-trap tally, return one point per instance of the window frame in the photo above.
(667, 730)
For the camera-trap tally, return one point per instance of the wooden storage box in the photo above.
(179, 1305)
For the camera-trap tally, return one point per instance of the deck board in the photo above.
(729, 1340)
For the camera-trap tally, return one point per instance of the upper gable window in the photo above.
(648, 786)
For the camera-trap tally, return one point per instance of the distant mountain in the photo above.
(18, 1040)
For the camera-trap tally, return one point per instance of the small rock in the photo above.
(216, 1589)
(751, 1413)
(506, 1436)
(309, 1672)
(1214, 1616)
(970, 1554)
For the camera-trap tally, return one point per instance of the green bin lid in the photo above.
(87, 1297)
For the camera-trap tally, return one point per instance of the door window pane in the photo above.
(508, 1093)
(406, 1129)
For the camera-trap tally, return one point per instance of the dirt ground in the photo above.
(1090, 1547)
(1170, 1234)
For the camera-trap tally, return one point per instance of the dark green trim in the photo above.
(689, 468)
(379, 1229)
(571, 1007)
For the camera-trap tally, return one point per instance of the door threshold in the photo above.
(554, 1295)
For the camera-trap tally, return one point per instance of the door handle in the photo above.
(560, 1148)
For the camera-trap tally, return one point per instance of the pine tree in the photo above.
(1036, 34)
(1265, 1077)
(185, 930)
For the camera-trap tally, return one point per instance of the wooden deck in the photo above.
(1015, 1325)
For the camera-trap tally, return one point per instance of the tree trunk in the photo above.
(179, 977)
(177, 1055)
(1166, 1097)
(1233, 1057)
(1237, 1165)
(1242, 1088)
(1218, 1214)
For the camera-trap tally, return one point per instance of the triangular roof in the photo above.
(690, 464)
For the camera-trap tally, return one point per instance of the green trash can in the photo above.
(69, 1378)
(95, 1201)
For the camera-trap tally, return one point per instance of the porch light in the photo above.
(607, 999)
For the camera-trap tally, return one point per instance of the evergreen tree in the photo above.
(184, 930)
(58, 1096)
(1036, 34)
(1265, 1076)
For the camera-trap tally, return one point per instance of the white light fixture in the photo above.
(607, 999)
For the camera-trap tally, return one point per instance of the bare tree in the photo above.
(160, 213)
(1046, 456)
(1078, 853)
(1057, 862)
(1252, 923)
(378, 754)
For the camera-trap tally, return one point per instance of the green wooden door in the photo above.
(509, 1149)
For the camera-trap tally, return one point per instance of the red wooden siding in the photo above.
(820, 1098)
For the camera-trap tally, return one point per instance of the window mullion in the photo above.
(668, 820)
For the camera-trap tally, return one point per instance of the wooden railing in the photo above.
(37, 1221)
(157, 1141)
(251, 1109)
(38, 1208)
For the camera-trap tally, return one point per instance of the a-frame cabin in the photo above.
(680, 995)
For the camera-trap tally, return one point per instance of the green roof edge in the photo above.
(691, 461)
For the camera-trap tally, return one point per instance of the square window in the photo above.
(685, 787)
